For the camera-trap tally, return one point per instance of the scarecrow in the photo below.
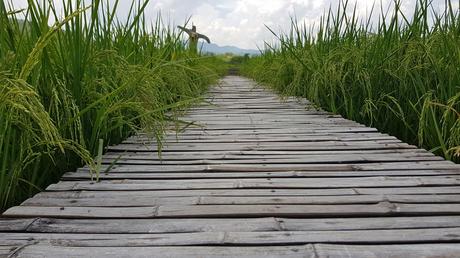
(193, 38)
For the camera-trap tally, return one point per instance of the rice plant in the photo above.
(401, 74)
(85, 78)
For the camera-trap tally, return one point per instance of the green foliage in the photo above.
(403, 77)
(85, 78)
(238, 60)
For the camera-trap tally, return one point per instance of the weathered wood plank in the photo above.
(138, 201)
(235, 192)
(192, 130)
(287, 160)
(129, 226)
(249, 154)
(265, 139)
(132, 226)
(384, 208)
(15, 224)
(8, 250)
(387, 236)
(270, 183)
(44, 250)
(282, 167)
(252, 192)
(262, 147)
(220, 211)
(82, 212)
(84, 175)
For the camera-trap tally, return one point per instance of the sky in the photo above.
(242, 23)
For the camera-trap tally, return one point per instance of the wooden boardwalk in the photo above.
(255, 177)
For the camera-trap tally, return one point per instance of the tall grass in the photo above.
(400, 74)
(89, 76)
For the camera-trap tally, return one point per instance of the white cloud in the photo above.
(241, 22)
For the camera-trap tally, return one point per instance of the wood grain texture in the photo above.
(252, 175)
(153, 226)
(294, 251)
(387, 236)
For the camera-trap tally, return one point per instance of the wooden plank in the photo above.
(303, 130)
(255, 138)
(194, 132)
(314, 146)
(44, 250)
(249, 154)
(282, 167)
(312, 123)
(265, 139)
(253, 192)
(129, 201)
(273, 159)
(381, 209)
(288, 160)
(388, 236)
(283, 127)
(360, 199)
(291, 130)
(8, 250)
(281, 117)
(270, 183)
(295, 224)
(194, 156)
(15, 224)
(220, 211)
(138, 201)
(85, 175)
(132, 226)
(81, 212)
(228, 192)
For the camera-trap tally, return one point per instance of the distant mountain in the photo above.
(216, 49)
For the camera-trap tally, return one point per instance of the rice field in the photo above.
(73, 82)
(400, 75)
